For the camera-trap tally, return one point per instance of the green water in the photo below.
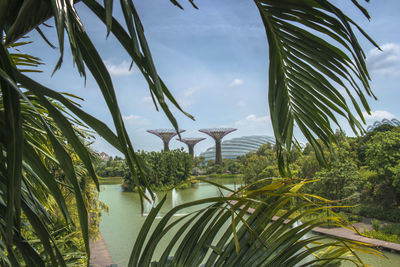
(121, 225)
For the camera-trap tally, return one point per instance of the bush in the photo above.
(391, 215)
(164, 170)
(376, 224)
(382, 236)
(350, 217)
(392, 229)
(354, 218)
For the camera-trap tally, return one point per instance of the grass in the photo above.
(387, 232)
(216, 175)
(111, 180)
(382, 236)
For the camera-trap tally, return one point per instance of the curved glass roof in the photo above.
(239, 146)
(393, 122)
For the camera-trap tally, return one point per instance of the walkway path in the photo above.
(99, 254)
(349, 234)
(352, 235)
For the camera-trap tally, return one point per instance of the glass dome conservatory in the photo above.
(392, 122)
(239, 146)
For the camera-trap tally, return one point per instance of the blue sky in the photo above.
(215, 62)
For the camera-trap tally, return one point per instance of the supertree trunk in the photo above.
(218, 152)
(218, 134)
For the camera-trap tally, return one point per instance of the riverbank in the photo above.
(163, 188)
(342, 232)
(111, 180)
(219, 176)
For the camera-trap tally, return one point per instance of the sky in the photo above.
(215, 62)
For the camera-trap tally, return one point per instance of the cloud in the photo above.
(135, 120)
(253, 125)
(252, 121)
(236, 82)
(189, 92)
(186, 97)
(385, 62)
(378, 115)
(121, 69)
(147, 99)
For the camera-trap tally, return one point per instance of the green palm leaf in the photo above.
(306, 72)
(223, 234)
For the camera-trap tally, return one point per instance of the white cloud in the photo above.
(189, 92)
(135, 119)
(147, 99)
(186, 97)
(378, 115)
(385, 62)
(236, 82)
(253, 125)
(252, 120)
(121, 69)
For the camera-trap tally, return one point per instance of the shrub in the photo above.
(164, 170)
(391, 215)
(392, 229)
(376, 224)
(382, 236)
(350, 217)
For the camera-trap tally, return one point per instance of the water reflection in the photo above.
(121, 225)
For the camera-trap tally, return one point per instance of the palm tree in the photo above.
(305, 72)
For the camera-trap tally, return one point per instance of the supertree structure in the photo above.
(190, 142)
(165, 135)
(217, 134)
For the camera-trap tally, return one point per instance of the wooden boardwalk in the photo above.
(99, 254)
(349, 234)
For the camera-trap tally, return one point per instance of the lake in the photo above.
(121, 225)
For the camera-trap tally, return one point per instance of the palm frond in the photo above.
(24, 16)
(223, 234)
(307, 72)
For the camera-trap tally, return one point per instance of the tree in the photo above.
(382, 156)
(258, 165)
(301, 68)
(340, 182)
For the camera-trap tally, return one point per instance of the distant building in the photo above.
(104, 156)
(236, 147)
(392, 122)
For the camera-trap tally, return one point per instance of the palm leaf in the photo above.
(207, 236)
(306, 72)
(23, 16)
(13, 146)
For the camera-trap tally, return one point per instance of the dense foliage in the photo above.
(364, 171)
(48, 193)
(113, 167)
(229, 166)
(163, 169)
